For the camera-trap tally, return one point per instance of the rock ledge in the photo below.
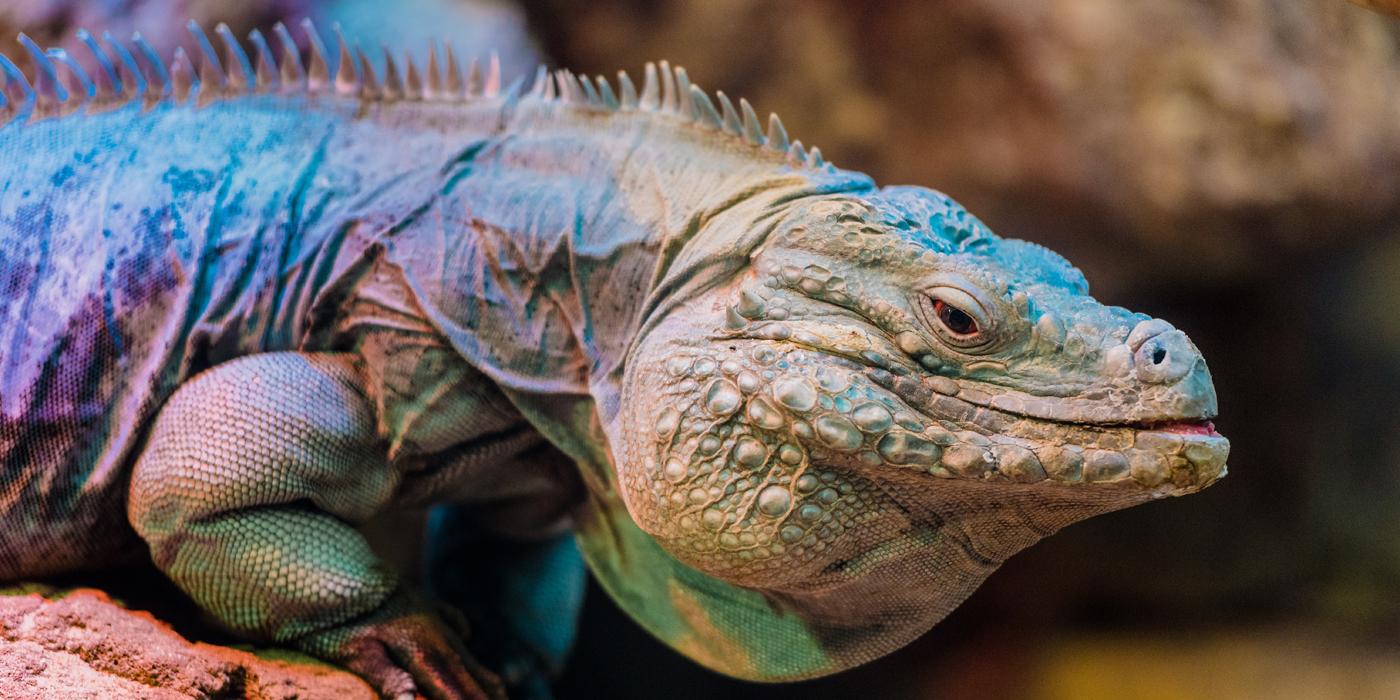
(82, 644)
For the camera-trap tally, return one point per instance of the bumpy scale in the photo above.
(252, 302)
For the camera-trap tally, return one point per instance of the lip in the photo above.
(1167, 456)
(1182, 427)
(924, 393)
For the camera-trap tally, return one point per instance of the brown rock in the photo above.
(84, 645)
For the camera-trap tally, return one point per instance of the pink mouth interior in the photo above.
(1200, 427)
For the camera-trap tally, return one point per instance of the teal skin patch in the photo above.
(723, 627)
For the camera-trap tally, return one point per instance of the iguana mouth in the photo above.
(1169, 455)
(1202, 427)
(1180, 427)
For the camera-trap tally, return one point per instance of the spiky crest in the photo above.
(132, 70)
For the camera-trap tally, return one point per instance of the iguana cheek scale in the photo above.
(252, 303)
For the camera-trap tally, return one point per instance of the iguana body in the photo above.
(243, 319)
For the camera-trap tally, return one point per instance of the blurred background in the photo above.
(1230, 165)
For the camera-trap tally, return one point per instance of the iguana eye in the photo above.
(955, 319)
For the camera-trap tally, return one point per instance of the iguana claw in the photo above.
(405, 653)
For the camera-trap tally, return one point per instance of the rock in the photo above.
(82, 644)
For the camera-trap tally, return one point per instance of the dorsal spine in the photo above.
(132, 70)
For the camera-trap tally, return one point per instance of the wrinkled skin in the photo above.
(890, 400)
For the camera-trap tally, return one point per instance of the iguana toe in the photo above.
(404, 652)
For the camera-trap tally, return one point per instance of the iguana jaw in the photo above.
(1171, 455)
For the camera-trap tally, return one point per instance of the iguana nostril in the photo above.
(1165, 358)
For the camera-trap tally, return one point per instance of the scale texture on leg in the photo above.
(247, 490)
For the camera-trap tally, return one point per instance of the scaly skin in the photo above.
(809, 416)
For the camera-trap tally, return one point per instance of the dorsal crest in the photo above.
(131, 70)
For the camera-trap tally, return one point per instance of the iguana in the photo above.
(794, 418)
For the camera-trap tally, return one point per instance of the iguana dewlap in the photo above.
(252, 304)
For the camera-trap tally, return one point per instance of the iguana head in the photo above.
(888, 402)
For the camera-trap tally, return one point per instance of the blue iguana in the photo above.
(793, 418)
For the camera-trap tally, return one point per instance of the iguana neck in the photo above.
(577, 224)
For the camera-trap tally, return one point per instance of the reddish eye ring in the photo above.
(957, 314)
(954, 319)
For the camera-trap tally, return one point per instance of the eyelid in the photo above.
(963, 302)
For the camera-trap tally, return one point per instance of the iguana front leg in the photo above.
(246, 492)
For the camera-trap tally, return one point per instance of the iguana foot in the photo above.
(403, 653)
